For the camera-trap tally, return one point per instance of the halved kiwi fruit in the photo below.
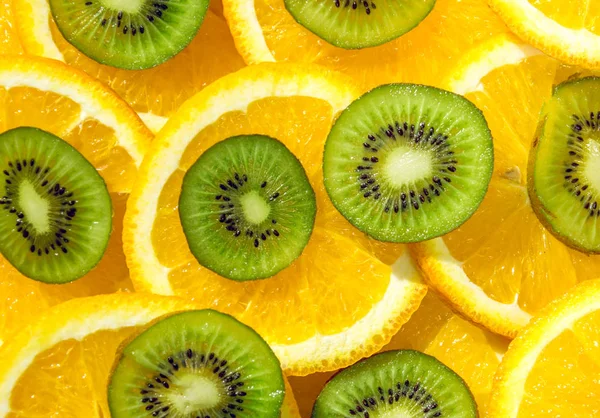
(196, 364)
(129, 34)
(406, 163)
(55, 210)
(564, 167)
(403, 383)
(355, 24)
(247, 208)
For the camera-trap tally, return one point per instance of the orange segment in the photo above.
(552, 367)
(316, 314)
(157, 91)
(516, 265)
(264, 30)
(569, 13)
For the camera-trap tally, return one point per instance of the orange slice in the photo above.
(565, 29)
(502, 266)
(264, 31)
(551, 369)
(337, 302)
(52, 96)
(154, 93)
(470, 351)
(60, 364)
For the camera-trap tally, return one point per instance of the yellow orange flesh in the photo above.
(434, 329)
(421, 56)
(9, 41)
(503, 248)
(161, 90)
(573, 14)
(321, 292)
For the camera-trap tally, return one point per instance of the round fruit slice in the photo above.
(57, 215)
(471, 352)
(106, 30)
(359, 24)
(197, 363)
(82, 111)
(264, 30)
(406, 163)
(247, 208)
(315, 313)
(552, 367)
(563, 29)
(69, 352)
(396, 383)
(563, 184)
(502, 266)
(154, 93)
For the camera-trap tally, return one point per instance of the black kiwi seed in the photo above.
(264, 185)
(354, 24)
(208, 364)
(402, 383)
(565, 161)
(129, 34)
(55, 210)
(433, 165)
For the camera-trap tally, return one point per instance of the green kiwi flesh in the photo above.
(129, 34)
(196, 364)
(355, 24)
(247, 208)
(407, 163)
(55, 209)
(564, 167)
(403, 383)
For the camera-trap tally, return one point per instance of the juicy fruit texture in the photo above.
(471, 352)
(197, 363)
(155, 93)
(503, 265)
(318, 304)
(68, 103)
(551, 368)
(247, 208)
(396, 383)
(9, 40)
(406, 163)
(59, 365)
(57, 216)
(265, 31)
(564, 181)
(106, 30)
(359, 24)
(564, 29)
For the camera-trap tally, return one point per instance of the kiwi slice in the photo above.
(129, 34)
(406, 163)
(247, 207)
(403, 383)
(196, 364)
(354, 24)
(564, 166)
(55, 210)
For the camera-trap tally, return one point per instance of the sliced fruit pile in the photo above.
(51, 96)
(322, 292)
(503, 265)
(155, 93)
(265, 31)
